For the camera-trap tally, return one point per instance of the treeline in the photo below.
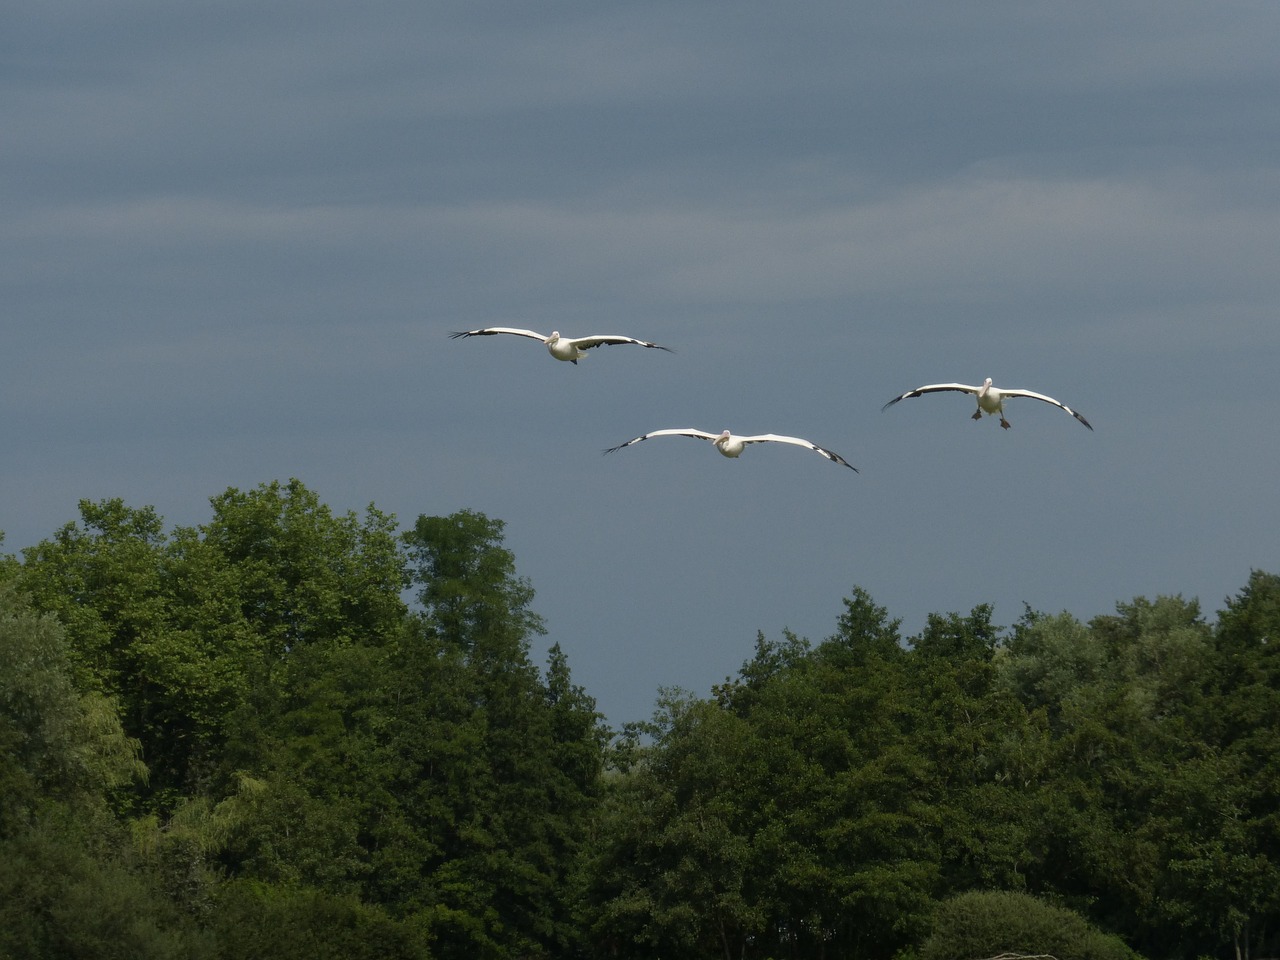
(289, 733)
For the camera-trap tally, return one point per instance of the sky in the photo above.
(237, 235)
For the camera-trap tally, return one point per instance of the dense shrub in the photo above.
(989, 924)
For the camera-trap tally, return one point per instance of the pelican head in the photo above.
(986, 385)
(555, 335)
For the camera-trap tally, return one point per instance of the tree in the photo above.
(865, 629)
(1049, 660)
(673, 870)
(502, 767)
(69, 882)
(1242, 718)
(102, 579)
(56, 744)
(992, 924)
(300, 574)
(468, 587)
(288, 922)
(178, 628)
(784, 816)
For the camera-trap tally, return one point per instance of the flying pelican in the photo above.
(732, 446)
(990, 399)
(562, 348)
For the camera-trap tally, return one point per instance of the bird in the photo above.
(562, 348)
(732, 446)
(990, 399)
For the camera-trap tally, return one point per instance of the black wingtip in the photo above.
(843, 462)
(459, 333)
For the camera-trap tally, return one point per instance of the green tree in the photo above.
(503, 766)
(312, 741)
(178, 628)
(56, 744)
(469, 590)
(784, 816)
(102, 579)
(70, 884)
(288, 922)
(992, 924)
(1242, 719)
(983, 751)
(71, 887)
(300, 573)
(673, 872)
(1048, 660)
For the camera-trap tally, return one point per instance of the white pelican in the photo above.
(990, 399)
(562, 348)
(732, 446)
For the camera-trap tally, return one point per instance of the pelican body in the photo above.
(562, 348)
(990, 399)
(731, 445)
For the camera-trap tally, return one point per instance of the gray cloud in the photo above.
(236, 237)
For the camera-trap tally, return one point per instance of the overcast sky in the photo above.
(235, 237)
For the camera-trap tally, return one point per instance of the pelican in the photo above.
(730, 445)
(562, 348)
(990, 399)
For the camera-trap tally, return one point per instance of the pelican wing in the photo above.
(696, 434)
(490, 331)
(1040, 396)
(933, 388)
(586, 343)
(800, 442)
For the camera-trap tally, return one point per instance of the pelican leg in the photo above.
(977, 414)
(1004, 423)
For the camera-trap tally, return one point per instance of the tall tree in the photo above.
(177, 628)
(70, 884)
(301, 573)
(503, 765)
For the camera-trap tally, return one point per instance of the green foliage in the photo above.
(468, 586)
(55, 743)
(503, 767)
(823, 800)
(177, 629)
(327, 767)
(332, 772)
(680, 859)
(69, 885)
(429, 767)
(956, 638)
(785, 816)
(303, 575)
(991, 924)
(297, 923)
(63, 895)
(1049, 660)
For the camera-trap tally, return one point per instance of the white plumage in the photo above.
(562, 348)
(730, 445)
(990, 399)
